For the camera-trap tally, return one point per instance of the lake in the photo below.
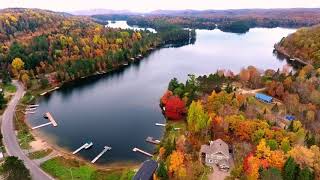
(120, 109)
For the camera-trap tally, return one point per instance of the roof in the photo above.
(217, 146)
(264, 97)
(146, 170)
(290, 117)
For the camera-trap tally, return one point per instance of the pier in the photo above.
(51, 119)
(84, 146)
(106, 148)
(42, 125)
(141, 151)
(33, 106)
(159, 124)
(53, 89)
(152, 140)
(49, 116)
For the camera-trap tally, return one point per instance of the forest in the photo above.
(303, 44)
(43, 48)
(264, 145)
(237, 21)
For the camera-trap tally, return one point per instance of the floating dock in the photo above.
(53, 89)
(42, 125)
(159, 124)
(33, 105)
(106, 148)
(141, 151)
(84, 146)
(152, 140)
(80, 148)
(31, 109)
(51, 119)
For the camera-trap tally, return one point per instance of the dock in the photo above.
(141, 151)
(51, 119)
(80, 148)
(84, 146)
(33, 106)
(152, 140)
(106, 148)
(42, 125)
(159, 124)
(53, 89)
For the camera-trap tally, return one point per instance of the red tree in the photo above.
(175, 108)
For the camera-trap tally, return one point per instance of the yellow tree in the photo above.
(17, 64)
(263, 151)
(176, 161)
(276, 159)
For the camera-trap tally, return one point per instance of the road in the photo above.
(10, 140)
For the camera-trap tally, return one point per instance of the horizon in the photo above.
(144, 6)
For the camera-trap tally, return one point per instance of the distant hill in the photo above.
(91, 12)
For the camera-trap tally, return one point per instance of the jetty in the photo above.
(51, 119)
(84, 146)
(53, 89)
(106, 148)
(141, 151)
(152, 140)
(33, 106)
(159, 124)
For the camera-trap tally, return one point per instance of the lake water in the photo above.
(120, 109)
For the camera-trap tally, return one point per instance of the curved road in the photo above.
(10, 140)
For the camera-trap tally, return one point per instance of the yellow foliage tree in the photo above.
(263, 151)
(176, 161)
(276, 159)
(17, 64)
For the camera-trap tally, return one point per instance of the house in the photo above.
(264, 98)
(146, 171)
(216, 154)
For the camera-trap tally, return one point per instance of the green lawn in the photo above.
(9, 88)
(40, 154)
(67, 169)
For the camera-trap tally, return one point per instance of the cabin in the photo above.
(146, 171)
(216, 154)
(264, 98)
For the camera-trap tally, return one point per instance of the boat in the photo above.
(152, 140)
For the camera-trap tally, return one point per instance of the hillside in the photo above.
(303, 44)
(239, 21)
(38, 42)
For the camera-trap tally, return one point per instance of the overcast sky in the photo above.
(149, 5)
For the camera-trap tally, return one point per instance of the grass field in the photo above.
(66, 169)
(40, 154)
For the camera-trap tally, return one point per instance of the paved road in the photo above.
(9, 137)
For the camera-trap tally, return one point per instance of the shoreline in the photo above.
(67, 154)
(279, 50)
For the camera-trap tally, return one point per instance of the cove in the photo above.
(120, 109)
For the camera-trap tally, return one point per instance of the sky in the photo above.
(150, 5)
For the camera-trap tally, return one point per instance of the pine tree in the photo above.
(291, 169)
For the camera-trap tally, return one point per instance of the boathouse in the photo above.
(264, 98)
(146, 171)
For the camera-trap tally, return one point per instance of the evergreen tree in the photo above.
(14, 169)
(290, 170)
(162, 171)
(306, 174)
(3, 101)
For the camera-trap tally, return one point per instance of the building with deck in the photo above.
(146, 171)
(264, 98)
(216, 154)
